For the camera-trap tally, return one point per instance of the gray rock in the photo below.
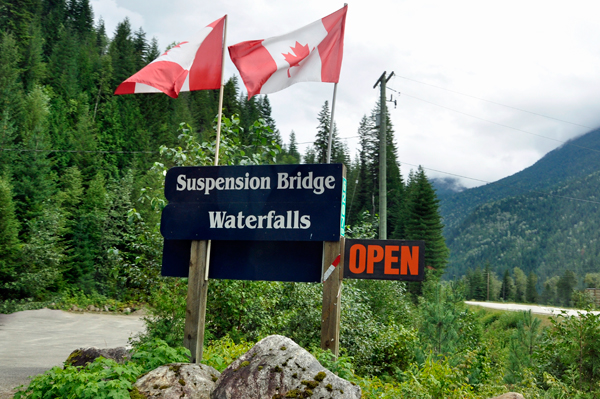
(83, 356)
(178, 380)
(510, 395)
(276, 368)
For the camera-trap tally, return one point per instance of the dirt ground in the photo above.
(34, 341)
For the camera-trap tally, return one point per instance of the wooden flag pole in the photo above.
(221, 95)
(195, 314)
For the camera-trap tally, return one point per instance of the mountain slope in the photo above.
(525, 220)
(570, 161)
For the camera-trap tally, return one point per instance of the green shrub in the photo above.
(103, 378)
(221, 353)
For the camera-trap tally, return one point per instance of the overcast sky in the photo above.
(539, 56)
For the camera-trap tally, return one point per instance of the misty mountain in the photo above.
(447, 186)
(545, 218)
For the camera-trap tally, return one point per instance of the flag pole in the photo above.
(218, 132)
(221, 94)
(331, 123)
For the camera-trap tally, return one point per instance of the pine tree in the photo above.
(33, 66)
(290, 155)
(565, 286)
(11, 91)
(520, 284)
(506, 289)
(522, 347)
(9, 241)
(531, 294)
(122, 53)
(265, 110)
(424, 222)
(321, 142)
(366, 184)
(36, 181)
(88, 236)
(54, 14)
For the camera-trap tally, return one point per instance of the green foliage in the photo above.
(9, 241)
(523, 345)
(103, 378)
(423, 222)
(571, 351)
(222, 352)
(155, 353)
(167, 314)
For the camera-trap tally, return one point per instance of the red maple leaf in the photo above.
(299, 52)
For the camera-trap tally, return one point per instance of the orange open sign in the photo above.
(384, 259)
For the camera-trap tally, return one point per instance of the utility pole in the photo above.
(382, 156)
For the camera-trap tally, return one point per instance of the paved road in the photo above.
(547, 310)
(34, 341)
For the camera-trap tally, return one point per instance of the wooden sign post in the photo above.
(195, 312)
(332, 296)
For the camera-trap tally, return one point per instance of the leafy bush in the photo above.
(103, 378)
(220, 353)
(571, 350)
(150, 355)
(167, 314)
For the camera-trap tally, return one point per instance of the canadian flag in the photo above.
(310, 54)
(191, 65)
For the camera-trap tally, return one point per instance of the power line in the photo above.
(79, 151)
(496, 103)
(447, 173)
(339, 138)
(496, 123)
(488, 182)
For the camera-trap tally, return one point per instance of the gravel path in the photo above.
(34, 341)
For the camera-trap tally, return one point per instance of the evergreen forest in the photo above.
(81, 193)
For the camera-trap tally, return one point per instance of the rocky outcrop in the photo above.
(277, 368)
(83, 356)
(510, 395)
(177, 380)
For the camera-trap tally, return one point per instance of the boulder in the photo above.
(177, 380)
(510, 395)
(277, 368)
(83, 356)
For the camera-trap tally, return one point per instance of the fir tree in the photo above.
(321, 142)
(37, 181)
(88, 236)
(290, 154)
(506, 289)
(520, 284)
(531, 294)
(565, 286)
(9, 241)
(424, 222)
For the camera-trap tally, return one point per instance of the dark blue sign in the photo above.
(250, 260)
(254, 203)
